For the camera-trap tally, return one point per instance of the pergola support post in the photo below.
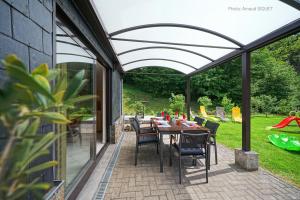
(188, 97)
(246, 114)
(244, 157)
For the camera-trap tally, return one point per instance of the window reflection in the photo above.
(72, 57)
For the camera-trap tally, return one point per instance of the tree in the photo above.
(227, 104)
(204, 101)
(264, 103)
(177, 102)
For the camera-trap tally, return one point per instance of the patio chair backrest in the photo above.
(193, 140)
(220, 112)
(212, 126)
(135, 125)
(199, 120)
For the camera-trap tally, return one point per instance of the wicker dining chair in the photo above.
(213, 127)
(143, 136)
(193, 144)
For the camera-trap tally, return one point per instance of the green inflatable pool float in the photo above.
(285, 142)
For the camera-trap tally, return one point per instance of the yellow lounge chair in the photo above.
(236, 114)
(203, 112)
(205, 115)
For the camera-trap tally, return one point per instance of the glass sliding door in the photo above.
(78, 148)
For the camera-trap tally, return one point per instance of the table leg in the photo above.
(161, 152)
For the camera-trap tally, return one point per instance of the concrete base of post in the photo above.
(248, 160)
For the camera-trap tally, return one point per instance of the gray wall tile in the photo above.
(5, 15)
(8, 46)
(20, 5)
(26, 31)
(37, 58)
(40, 14)
(48, 4)
(47, 43)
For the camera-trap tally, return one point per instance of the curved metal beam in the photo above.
(177, 26)
(163, 59)
(165, 47)
(172, 43)
(155, 66)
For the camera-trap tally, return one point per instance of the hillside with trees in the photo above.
(275, 79)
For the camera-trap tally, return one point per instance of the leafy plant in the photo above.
(204, 101)
(27, 99)
(177, 103)
(227, 104)
(264, 103)
(292, 113)
(138, 107)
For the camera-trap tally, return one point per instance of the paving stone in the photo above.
(226, 181)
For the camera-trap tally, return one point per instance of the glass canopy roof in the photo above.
(187, 35)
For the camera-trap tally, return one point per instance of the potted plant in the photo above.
(27, 100)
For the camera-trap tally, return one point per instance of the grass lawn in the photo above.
(280, 162)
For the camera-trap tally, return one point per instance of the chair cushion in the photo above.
(148, 139)
(188, 150)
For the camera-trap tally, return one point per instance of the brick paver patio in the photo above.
(226, 181)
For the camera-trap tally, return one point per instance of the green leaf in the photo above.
(54, 117)
(45, 142)
(42, 81)
(33, 127)
(26, 79)
(52, 74)
(75, 84)
(14, 60)
(59, 96)
(42, 70)
(28, 160)
(22, 127)
(61, 83)
(80, 99)
(41, 167)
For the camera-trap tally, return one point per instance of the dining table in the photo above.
(164, 127)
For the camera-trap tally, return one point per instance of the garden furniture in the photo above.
(143, 136)
(193, 144)
(199, 120)
(167, 128)
(213, 127)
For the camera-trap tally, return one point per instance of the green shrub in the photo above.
(227, 104)
(204, 101)
(177, 103)
(292, 113)
(264, 104)
(138, 107)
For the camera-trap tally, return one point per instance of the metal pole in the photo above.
(246, 114)
(188, 97)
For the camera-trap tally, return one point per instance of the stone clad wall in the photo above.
(26, 29)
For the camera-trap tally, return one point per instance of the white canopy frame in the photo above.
(229, 25)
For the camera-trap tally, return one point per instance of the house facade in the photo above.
(67, 34)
